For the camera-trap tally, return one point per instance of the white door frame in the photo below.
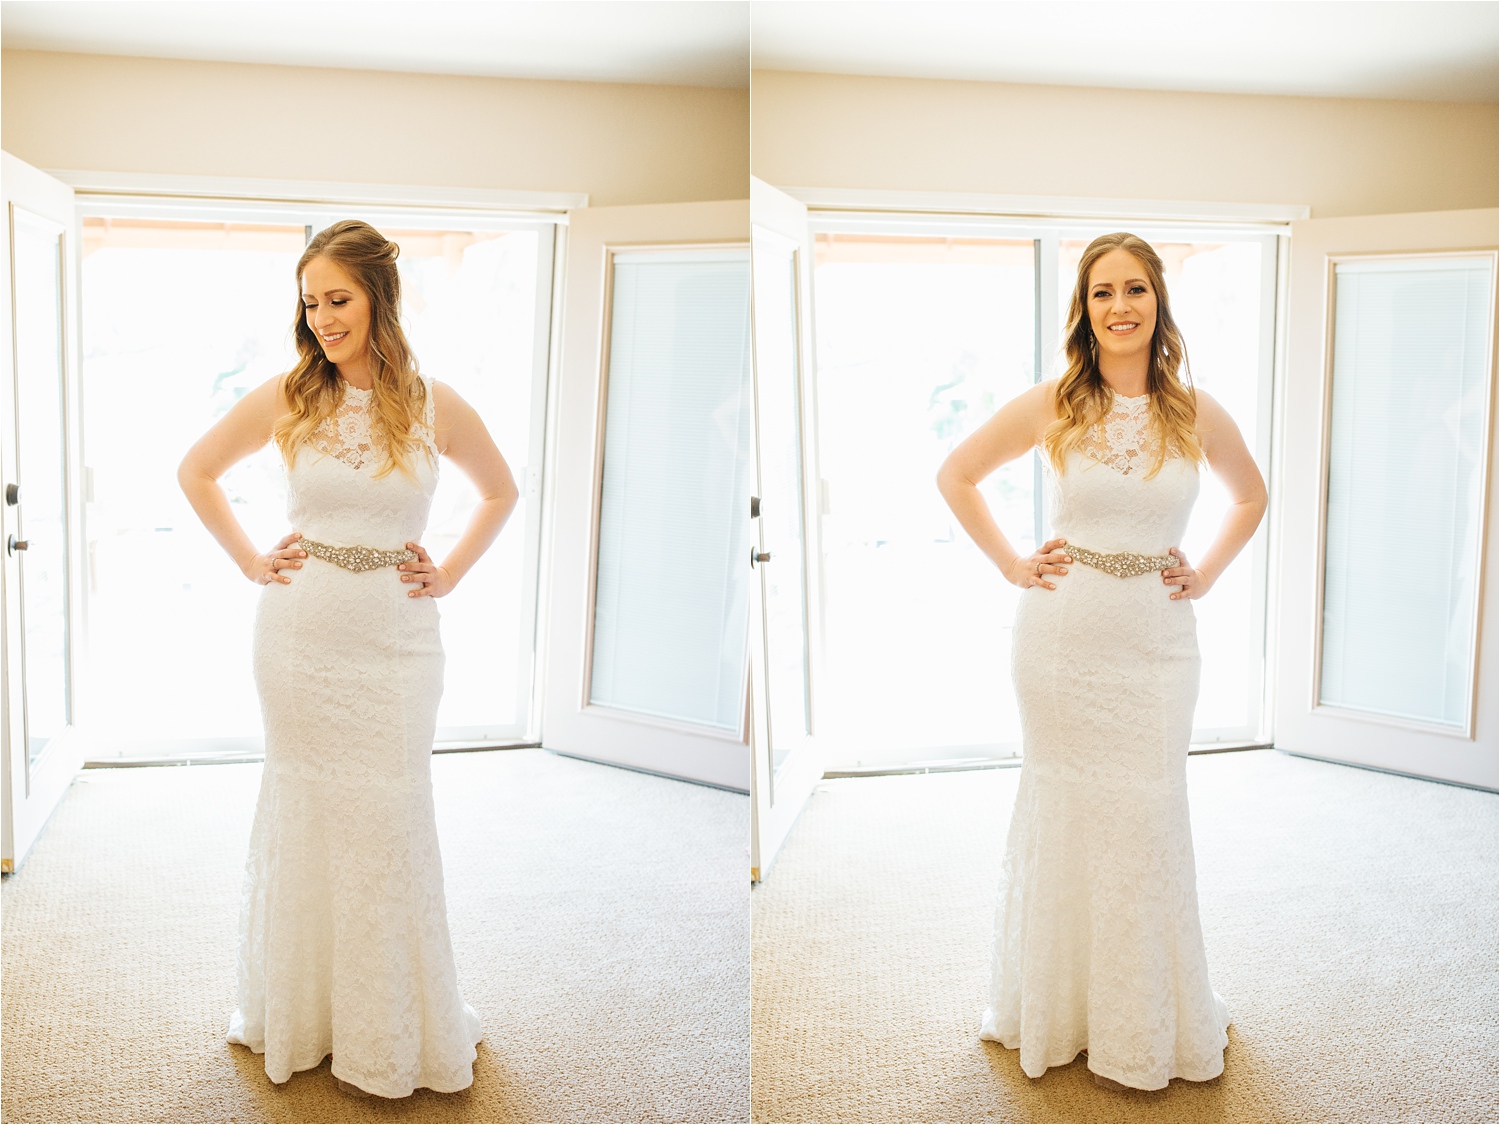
(570, 723)
(30, 793)
(1302, 724)
(778, 795)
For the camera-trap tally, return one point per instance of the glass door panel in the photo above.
(919, 341)
(782, 558)
(673, 546)
(1410, 371)
(41, 542)
(469, 301)
(1216, 289)
(180, 319)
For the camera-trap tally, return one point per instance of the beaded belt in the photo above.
(356, 558)
(1122, 565)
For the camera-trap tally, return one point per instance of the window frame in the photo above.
(315, 206)
(1050, 223)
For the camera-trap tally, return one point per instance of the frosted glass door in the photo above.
(40, 543)
(1405, 478)
(1385, 651)
(672, 579)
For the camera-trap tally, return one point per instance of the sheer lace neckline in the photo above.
(1126, 440)
(348, 436)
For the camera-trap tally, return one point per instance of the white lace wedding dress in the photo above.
(1098, 946)
(344, 944)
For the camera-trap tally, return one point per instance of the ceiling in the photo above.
(1425, 50)
(668, 42)
(1429, 50)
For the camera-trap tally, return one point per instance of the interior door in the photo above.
(41, 603)
(1385, 648)
(785, 511)
(645, 638)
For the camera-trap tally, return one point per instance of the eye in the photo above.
(338, 302)
(1101, 293)
(309, 308)
(1137, 288)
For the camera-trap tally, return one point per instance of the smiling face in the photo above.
(337, 311)
(1122, 305)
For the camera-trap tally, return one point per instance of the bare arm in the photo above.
(1232, 463)
(463, 439)
(1010, 433)
(231, 439)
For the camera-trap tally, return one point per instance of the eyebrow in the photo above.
(1128, 281)
(330, 293)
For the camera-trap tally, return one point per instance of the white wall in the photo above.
(1341, 156)
(620, 143)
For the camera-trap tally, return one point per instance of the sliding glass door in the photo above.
(183, 312)
(924, 327)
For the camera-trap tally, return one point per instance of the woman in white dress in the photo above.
(1097, 944)
(344, 943)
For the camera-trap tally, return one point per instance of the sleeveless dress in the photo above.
(344, 944)
(1097, 943)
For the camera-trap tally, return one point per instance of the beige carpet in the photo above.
(1350, 919)
(600, 922)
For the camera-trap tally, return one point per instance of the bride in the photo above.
(344, 946)
(1098, 945)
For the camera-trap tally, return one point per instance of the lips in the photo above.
(333, 339)
(1124, 328)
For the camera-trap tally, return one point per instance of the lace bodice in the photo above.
(1125, 441)
(1106, 502)
(333, 493)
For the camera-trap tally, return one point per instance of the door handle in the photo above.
(755, 507)
(13, 545)
(759, 556)
(12, 494)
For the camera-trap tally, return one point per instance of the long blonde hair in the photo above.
(1082, 397)
(313, 388)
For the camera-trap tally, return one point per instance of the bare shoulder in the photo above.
(267, 402)
(445, 397)
(457, 424)
(1040, 402)
(449, 408)
(1212, 417)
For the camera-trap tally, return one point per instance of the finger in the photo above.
(422, 555)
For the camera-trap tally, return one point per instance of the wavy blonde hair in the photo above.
(1083, 399)
(313, 389)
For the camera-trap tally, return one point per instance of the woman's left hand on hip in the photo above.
(430, 580)
(1190, 583)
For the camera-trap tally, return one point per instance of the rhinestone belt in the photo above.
(1123, 565)
(356, 558)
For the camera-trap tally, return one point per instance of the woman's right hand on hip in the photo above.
(267, 568)
(1032, 569)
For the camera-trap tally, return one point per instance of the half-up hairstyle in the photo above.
(1084, 399)
(313, 388)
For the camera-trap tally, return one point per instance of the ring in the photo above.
(1039, 568)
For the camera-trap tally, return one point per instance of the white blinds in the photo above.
(1406, 467)
(673, 575)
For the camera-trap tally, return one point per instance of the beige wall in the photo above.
(1341, 156)
(620, 143)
